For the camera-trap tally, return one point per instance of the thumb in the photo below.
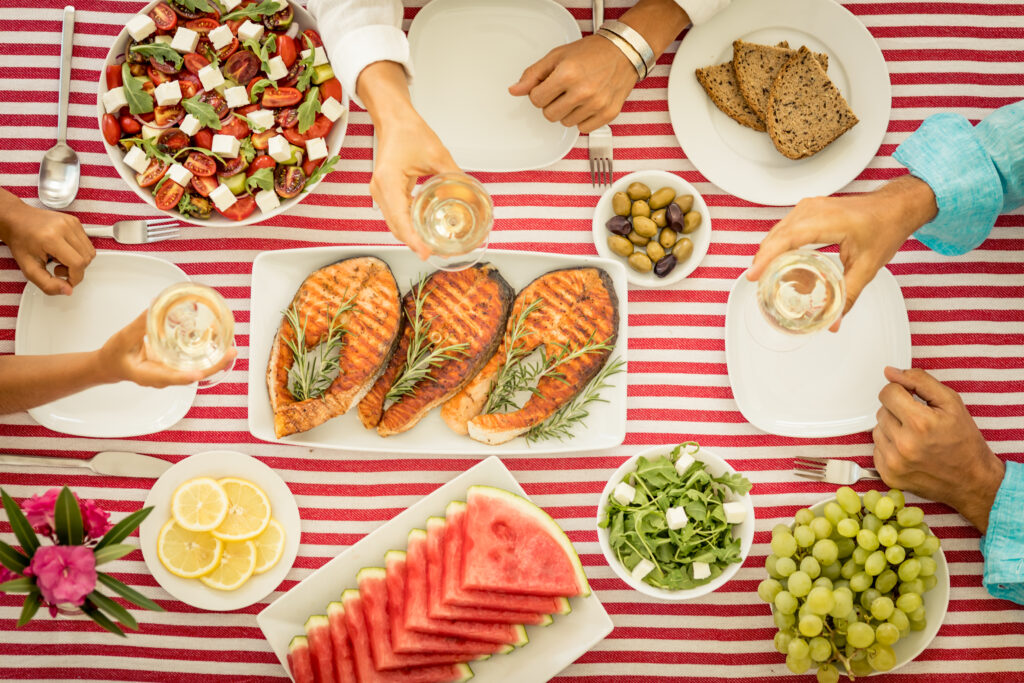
(37, 274)
(919, 382)
(533, 75)
(857, 276)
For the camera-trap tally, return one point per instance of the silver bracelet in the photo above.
(635, 40)
(631, 54)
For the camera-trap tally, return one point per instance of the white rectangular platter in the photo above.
(551, 648)
(276, 275)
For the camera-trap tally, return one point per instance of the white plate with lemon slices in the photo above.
(235, 491)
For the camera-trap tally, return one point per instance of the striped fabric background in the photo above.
(966, 318)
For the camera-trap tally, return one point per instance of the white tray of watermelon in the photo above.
(487, 586)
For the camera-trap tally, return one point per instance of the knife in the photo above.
(112, 463)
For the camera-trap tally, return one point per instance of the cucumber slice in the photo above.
(322, 73)
(236, 183)
(296, 158)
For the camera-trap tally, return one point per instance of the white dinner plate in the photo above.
(465, 55)
(276, 275)
(828, 386)
(117, 288)
(743, 161)
(219, 464)
(551, 648)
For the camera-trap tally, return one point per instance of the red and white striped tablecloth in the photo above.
(965, 316)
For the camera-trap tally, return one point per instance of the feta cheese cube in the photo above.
(262, 119)
(136, 159)
(168, 93)
(163, 38)
(320, 56)
(151, 132)
(267, 200)
(221, 36)
(185, 40)
(250, 31)
(276, 69)
(190, 125)
(225, 145)
(279, 149)
(114, 99)
(222, 197)
(642, 569)
(684, 462)
(210, 76)
(140, 27)
(676, 517)
(236, 96)
(701, 570)
(179, 174)
(332, 109)
(735, 512)
(623, 493)
(230, 4)
(316, 148)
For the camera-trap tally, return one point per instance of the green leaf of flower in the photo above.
(112, 552)
(23, 584)
(13, 559)
(127, 592)
(29, 608)
(123, 529)
(19, 525)
(139, 101)
(67, 519)
(113, 609)
(94, 613)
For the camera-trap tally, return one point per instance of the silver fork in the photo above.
(601, 156)
(833, 471)
(138, 231)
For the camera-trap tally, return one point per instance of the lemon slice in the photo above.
(236, 566)
(188, 554)
(199, 504)
(269, 546)
(248, 511)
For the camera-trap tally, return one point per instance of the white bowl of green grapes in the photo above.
(857, 585)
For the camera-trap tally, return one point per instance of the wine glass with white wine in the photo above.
(452, 213)
(190, 327)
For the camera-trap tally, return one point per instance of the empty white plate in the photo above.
(828, 386)
(116, 289)
(465, 55)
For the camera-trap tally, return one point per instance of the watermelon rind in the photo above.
(370, 573)
(546, 522)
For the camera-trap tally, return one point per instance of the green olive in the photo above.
(640, 262)
(659, 218)
(638, 191)
(638, 239)
(655, 251)
(641, 208)
(645, 226)
(683, 249)
(685, 202)
(667, 238)
(662, 198)
(691, 221)
(620, 245)
(621, 204)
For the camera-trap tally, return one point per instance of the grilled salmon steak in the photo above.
(469, 306)
(578, 307)
(371, 332)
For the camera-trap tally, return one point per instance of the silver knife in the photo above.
(112, 463)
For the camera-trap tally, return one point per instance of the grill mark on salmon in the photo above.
(372, 327)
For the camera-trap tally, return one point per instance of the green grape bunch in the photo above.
(847, 585)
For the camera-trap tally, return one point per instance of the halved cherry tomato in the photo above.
(147, 117)
(313, 36)
(200, 164)
(308, 166)
(330, 88)
(215, 100)
(203, 138)
(161, 67)
(185, 13)
(241, 66)
(289, 181)
(249, 86)
(197, 206)
(205, 48)
(167, 114)
(279, 21)
(280, 97)
(262, 140)
(234, 126)
(168, 196)
(319, 129)
(153, 173)
(194, 62)
(188, 88)
(111, 129)
(262, 161)
(204, 185)
(202, 26)
(164, 17)
(138, 69)
(286, 50)
(129, 124)
(287, 118)
(114, 77)
(172, 140)
(247, 109)
(231, 167)
(240, 210)
(148, 87)
(292, 77)
(234, 24)
(158, 77)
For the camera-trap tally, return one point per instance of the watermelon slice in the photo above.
(513, 546)
(344, 670)
(436, 609)
(321, 652)
(454, 594)
(298, 660)
(405, 641)
(374, 593)
(416, 617)
(367, 673)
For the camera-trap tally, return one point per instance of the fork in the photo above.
(833, 471)
(601, 156)
(138, 231)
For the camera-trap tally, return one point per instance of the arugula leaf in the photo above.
(265, 8)
(262, 179)
(262, 51)
(203, 112)
(320, 171)
(156, 188)
(307, 62)
(249, 122)
(139, 101)
(193, 5)
(161, 52)
(151, 149)
(259, 87)
(309, 109)
(246, 150)
(201, 150)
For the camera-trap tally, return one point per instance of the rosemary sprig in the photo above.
(510, 378)
(314, 370)
(561, 423)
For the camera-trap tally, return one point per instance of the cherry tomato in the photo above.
(202, 26)
(153, 173)
(330, 88)
(289, 181)
(281, 97)
(194, 62)
(215, 100)
(172, 140)
(185, 13)
(279, 21)
(114, 77)
(161, 67)
(138, 69)
(129, 124)
(313, 36)
(228, 50)
(234, 126)
(247, 109)
(200, 164)
(111, 129)
(168, 196)
(287, 118)
(292, 77)
(262, 140)
(231, 167)
(252, 81)
(262, 161)
(204, 185)
(319, 129)
(286, 50)
(203, 138)
(147, 117)
(157, 76)
(164, 18)
(234, 24)
(241, 67)
(165, 115)
(148, 87)
(198, 206)
(240, 210)
(308, 166)
(188, 89)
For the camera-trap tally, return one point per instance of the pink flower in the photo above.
(39, 510)
(64, 573)
(95, 520)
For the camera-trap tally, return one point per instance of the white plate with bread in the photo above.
(825, 109)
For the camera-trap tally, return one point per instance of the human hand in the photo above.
(123, 357)
(934, 449)
(35, 235)
(581, 84)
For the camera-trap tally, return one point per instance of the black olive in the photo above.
(665, 265)
(619, 225)
(673, 214)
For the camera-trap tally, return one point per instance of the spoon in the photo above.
(59, 171)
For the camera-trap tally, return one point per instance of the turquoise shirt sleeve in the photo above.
(976, 173)
(1003, 544)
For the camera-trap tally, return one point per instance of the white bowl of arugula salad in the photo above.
(221, 119)
(676, 523)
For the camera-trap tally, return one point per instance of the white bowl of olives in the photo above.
(656, 222)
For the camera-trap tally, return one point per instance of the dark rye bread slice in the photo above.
(807, 110)
(719, 82)
(757, 66)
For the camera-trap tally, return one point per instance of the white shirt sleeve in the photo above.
(357, 33)
(699, 10)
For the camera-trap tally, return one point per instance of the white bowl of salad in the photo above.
(221, 118)
(676, 523)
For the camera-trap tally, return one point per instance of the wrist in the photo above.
(979, 491)
(914, 203)
(383, 88)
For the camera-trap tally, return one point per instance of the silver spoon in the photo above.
(59, 171)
